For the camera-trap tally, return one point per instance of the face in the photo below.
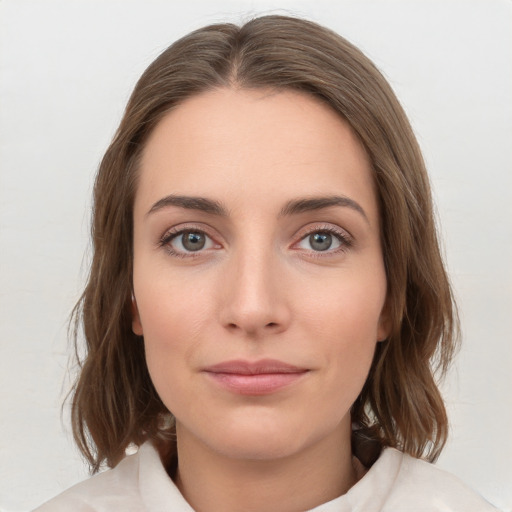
(258, 274)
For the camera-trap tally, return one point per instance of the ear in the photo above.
(384, 325)
(136, 323)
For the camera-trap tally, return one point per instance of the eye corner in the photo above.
(199, 244)
(337, 239)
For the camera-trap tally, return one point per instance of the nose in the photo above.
(254, 300)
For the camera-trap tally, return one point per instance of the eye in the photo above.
(319, 241)
(324, 240)
(187, 241)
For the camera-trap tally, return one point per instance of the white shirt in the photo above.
(395, 483)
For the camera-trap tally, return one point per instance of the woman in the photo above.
(267, 305)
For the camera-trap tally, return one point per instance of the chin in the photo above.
(264, 436)
(257, 446)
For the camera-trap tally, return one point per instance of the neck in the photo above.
(301, 481)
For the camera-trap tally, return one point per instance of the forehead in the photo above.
(257, 143)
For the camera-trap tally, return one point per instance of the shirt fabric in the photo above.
(395, 483)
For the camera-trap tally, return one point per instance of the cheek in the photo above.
(344, 318)
(169, 302)
(174, 318)
(347, 308)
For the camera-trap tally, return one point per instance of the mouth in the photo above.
(255, 378)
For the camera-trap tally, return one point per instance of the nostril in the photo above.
(271, 324)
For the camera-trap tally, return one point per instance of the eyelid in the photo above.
(175, 231)
(346, 239)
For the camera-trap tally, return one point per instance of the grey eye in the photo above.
(320, 241)
(187, 242)
(193, 241)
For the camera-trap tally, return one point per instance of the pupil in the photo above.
(193, 241)
(320, 241)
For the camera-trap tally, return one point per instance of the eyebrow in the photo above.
(318, 203)
(292, 207)
(190, 203)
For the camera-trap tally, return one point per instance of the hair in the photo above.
(114, 403)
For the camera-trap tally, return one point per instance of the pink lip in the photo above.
(255, 378)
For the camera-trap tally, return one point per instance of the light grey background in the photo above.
(66, 70)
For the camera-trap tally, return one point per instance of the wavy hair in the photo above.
(114, 403)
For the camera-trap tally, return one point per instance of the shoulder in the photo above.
(112, 490)
(421, 486)
(136, 484)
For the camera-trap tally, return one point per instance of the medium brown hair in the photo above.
(114, 403)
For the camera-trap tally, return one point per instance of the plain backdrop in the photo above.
(66, 70)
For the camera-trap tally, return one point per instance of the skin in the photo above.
(258, 289)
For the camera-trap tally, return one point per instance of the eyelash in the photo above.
(345, 240)
(169, 236)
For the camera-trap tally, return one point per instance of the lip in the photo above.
(261, 377)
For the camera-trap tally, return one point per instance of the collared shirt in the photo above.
(396, 482)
